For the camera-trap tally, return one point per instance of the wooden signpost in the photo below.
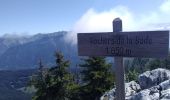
(123, 44)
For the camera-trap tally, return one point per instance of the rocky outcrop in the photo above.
(165, 95)
(159, 92)
(153, 78)
(153, 85)
(131, 88)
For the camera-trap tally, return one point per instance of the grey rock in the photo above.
(165, 95)
(110, 95)
(153, 78)
(165, 85)
(147, 94)
(153, 85)
(131, 88)
(165, 90)
(159, 92)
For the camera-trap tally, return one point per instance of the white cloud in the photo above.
(93, 21)
(165, 7)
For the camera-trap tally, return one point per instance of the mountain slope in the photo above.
(11, 81)
(40, 46)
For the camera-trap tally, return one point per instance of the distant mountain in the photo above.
(25, 52)
(7, 41)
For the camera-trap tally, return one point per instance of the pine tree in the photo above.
(55, 83)
(97, 78)
(41, 82)
(62, 83)
(132, 75)
(139, 65)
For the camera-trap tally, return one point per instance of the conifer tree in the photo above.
(41, 82)
(132, 75)
(57, 83)
(61, 79)
(97, 77)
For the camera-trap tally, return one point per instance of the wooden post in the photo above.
(135, 44)
(119, 68)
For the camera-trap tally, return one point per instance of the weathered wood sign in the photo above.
(124, 44)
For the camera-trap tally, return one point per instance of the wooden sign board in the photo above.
(124, 44)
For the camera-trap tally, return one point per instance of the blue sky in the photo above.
(44, 16)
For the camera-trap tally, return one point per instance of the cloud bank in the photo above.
(93, 21)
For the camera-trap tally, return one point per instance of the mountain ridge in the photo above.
(23, 55)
